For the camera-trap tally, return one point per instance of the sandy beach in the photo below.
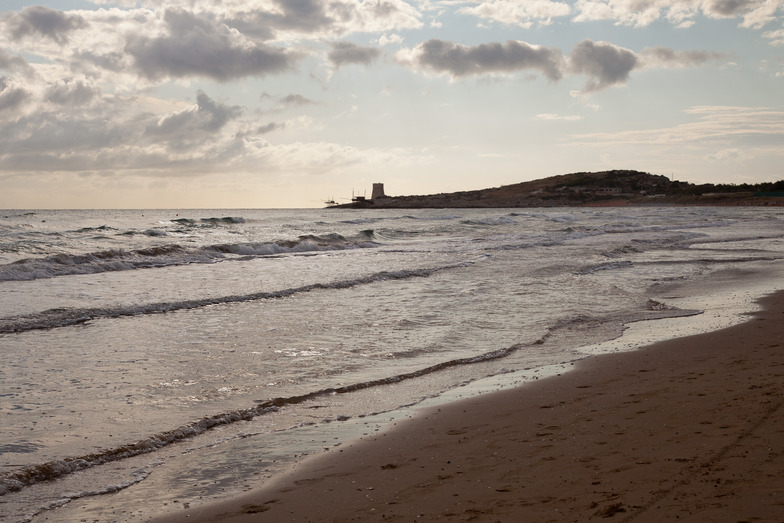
(689, 429)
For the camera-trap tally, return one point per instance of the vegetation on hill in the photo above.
(616, 187)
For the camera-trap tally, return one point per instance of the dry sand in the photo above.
(689, 429)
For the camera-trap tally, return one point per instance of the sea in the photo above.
(155, 360)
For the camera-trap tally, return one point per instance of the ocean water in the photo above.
(154, 360)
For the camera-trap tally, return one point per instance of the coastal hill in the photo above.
(605, 188)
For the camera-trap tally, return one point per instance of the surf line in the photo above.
(65, 317)
(30, 475)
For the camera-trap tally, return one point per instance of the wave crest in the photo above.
(65, 264)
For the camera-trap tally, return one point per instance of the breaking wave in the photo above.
(168, 255)
(32, 474)
(64, 317)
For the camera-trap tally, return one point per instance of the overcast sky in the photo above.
(286, 103)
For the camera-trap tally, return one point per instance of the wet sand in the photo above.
(689, 429)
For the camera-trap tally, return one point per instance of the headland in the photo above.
(605, 188)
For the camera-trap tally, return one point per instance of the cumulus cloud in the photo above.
(11, 96)
(604, 63)
(43, 21)
(116, 133)
(458, 61)
(71, 92)
(763, 13)
(12, 63)
(301, 15)
(728, 8)
(194, 46)
(518, 12)
(288, 19)
(191, 124)
(755, 13)
(390, 40)
(344, 53)
(776, 37)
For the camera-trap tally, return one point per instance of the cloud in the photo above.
(183, 127)
(290, 19)
(555, 117)
(728, 8)
(282, 103)
(638, 14)
(12, 63)
(43, 21)
(261, 129)
(117, 134)
(666, 57)
(268, 128)
(197, 47)
(776, 37)
(344, 53)
(723, 124)
(604, 63)
(459, 61)
(732, 155)
(682, 13)
(390, 40)
(764, 13)
(71, 92)
(295, 100)
(518, 12)
(301, 15)
(11, 97)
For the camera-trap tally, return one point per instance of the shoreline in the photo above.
(689, 427)
(385, 206)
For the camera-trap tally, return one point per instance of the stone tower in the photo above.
(378, 191)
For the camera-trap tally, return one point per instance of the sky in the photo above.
(288, 103)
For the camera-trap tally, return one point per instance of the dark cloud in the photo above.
(111, 61)
(301, 15)
(215, 115)
(105, 137)
(10, 63)
(70, 93)
(458, 60)
(11, 97)
(180, 130)
(605, 64)
(343, 53)
(264, 129)
(43, 135)
(43, 21)
(295, 100)
(728, 8)
(198, 47)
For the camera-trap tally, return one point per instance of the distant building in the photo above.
(378, 191)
